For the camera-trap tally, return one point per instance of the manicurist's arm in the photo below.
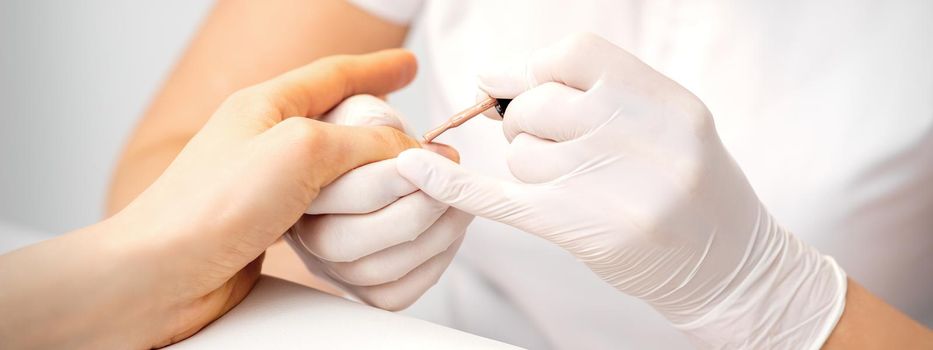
(870, 323)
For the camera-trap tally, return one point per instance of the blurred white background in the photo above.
(74, 78)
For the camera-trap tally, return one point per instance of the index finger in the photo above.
(370, 187)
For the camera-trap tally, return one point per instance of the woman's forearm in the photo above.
(870, 323)
(240, 43)
(74, 291)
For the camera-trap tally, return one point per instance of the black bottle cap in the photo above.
(501, 105)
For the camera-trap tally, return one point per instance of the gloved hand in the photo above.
(371, 232)
(622, 167)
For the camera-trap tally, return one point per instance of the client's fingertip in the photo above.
(396, 140)
(442, 149)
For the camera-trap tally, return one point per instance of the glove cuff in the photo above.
(786, 295)
(313, 266)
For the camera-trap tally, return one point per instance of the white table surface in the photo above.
(279, 314)
(282, 315)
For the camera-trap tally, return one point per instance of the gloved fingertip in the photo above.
(416, 165)
(365, 110)
(505, 80)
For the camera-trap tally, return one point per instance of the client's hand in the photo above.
(190, 247)
(371, 232)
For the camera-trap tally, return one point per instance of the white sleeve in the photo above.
(396, 11)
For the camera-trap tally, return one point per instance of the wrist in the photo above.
(784, 294)
(126, 277)
(80, 287)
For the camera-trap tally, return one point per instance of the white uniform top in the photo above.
(826, 105)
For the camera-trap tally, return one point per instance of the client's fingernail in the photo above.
(442, 149)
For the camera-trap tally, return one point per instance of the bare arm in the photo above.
(241, 43)
(870, 323)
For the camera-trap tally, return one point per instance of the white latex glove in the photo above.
(371, 233)
(623, 168)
